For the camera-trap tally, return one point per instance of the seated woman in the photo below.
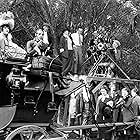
(7, 47)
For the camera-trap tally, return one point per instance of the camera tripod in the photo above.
(104, 55)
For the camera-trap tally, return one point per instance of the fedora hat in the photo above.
(7, 18)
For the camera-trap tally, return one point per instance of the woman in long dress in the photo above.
(9, 49)
(67, 53)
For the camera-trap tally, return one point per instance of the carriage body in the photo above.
(24, 101)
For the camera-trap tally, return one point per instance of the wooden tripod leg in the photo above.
(96, 65)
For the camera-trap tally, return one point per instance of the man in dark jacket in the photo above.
(130, 109)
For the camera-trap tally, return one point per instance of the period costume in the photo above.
(8, 48)
(67, 55)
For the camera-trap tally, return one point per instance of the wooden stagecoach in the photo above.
(31, 100)
(28, 102)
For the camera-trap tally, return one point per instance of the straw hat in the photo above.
(7, 18)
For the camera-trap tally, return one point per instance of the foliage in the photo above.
(90, 14)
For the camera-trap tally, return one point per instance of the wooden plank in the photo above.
(18, 63)
(96, 64)
(119, 80)
(66, 109)
(22, 124)
(98, 86)
(79, 127)
(74, 86)
(74, 90)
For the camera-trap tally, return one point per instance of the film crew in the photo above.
(116, 49)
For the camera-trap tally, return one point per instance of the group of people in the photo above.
(116, 103)
(101, 41)
(111, 99)
(40, 45)
(70, 45)
(71, 52)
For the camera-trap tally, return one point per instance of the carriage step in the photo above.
(51, 106)
(33, 103)
(29, 100)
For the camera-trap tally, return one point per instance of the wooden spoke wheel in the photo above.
(28, 132)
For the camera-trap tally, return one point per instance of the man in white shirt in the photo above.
(47, 39)
(77, 41)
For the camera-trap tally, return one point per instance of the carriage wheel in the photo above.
(28, 132)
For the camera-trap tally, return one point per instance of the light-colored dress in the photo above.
(9, 49)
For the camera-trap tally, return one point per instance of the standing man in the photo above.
(78, 41)
(136, 98)
(48, 39)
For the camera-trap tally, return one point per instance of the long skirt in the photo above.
(14, 51)
(68, 63)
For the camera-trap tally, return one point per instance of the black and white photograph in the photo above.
(69, 69)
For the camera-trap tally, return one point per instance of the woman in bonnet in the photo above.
(7, 47)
